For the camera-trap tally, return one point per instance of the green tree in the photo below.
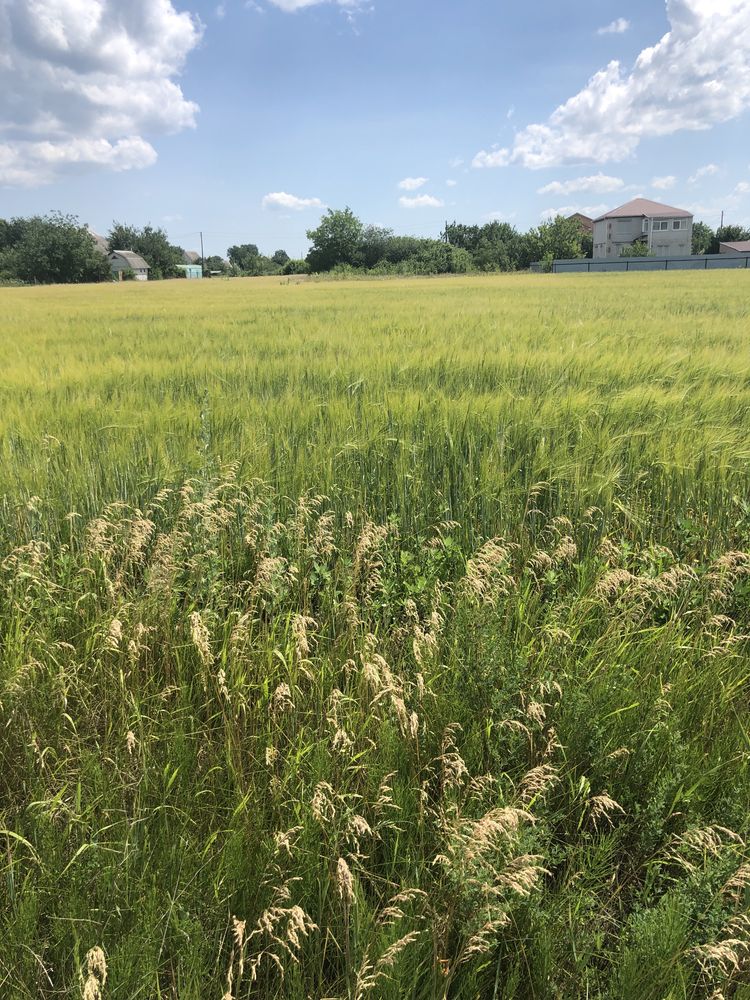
(215, 263)
(337, 240)
(296, 267)
(122, 237)
(280, 257)
(244, 257)
(558, 239)
(703, 237)
(637, 249)
(55, 249)
(373, 246)
(728, 234)
(496, 246)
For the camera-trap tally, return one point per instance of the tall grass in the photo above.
(377, 641)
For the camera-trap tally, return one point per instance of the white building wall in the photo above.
(611, 236)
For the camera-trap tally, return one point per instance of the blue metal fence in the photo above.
(706, 262)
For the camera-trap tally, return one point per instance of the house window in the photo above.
(660, 225)
(679, 224)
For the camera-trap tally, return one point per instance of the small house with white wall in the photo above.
(121, 261)
(665, 230)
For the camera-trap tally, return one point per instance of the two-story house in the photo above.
(666, 231)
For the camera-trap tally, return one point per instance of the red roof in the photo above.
(647, 209)
(742, 247)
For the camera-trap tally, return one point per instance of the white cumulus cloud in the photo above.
(696, 76)
(493, 158)
(88, 83)
(421, 201)
(412, 183)
(618, 27)
(663, 183)
(290, 6)
(598, 183)
(709, 170)
(280, 199)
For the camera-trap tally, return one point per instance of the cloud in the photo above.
(495, 158)
(598, 183)
(451, 183)
(664, 183)
(708, 171)
(82, 82)
(412, 183)
(421, 201)
(617, 27)
(742, 188)
(695, 77)
(291, 6)
(280, 199)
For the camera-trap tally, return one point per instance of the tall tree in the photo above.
(244, 257)
(336, 240)
(703, 237)
(558, 239)
(373, 245)
(54, 249)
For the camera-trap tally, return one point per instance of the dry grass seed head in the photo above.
(281, 701)
(344, 882)
(201, 639)
(603, 808)
(487, 573)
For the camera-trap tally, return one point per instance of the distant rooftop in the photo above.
(742, 247)
(647, 209)
(100, 241)
(134, 260)
(583, 220)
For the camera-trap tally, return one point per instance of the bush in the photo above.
(296, 267)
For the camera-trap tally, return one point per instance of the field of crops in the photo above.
(377, 639)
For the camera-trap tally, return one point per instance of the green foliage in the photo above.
(497, 246)
(247, 260)
(638, 249)
(215, 263)
(296, 267)
(558, 239)
(50, 249)
(335, 241)
(703, 238)
(380, 640)
(244, 257)
(151, 244)
(280, 257)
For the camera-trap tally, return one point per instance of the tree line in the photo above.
(342, 243)
(56, 248)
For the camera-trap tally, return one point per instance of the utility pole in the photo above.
(722, 219)
(203, 259)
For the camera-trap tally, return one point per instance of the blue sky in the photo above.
(245, 118)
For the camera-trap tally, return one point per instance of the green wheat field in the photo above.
(380, 639)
